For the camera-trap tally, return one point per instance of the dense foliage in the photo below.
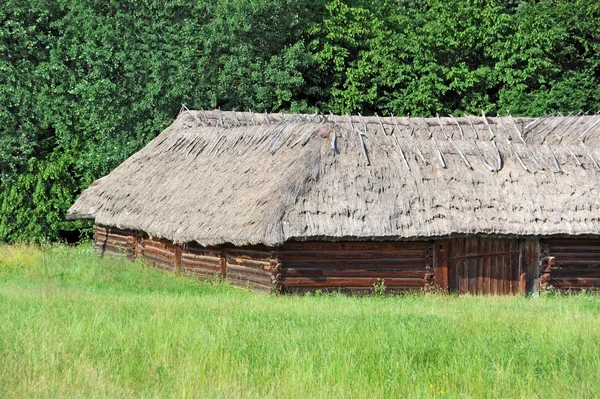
(85, 83)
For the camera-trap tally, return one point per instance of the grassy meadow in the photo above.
(74, 325)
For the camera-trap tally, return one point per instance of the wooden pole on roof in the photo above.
(381, 124)
(590, 156)
(462, 134)
(582, 135)
(193, 115)
(401, 151)
(516, 154)
(462, 155)
(362, 142)
(472, 127)
(411, 139)
(333, 136)
(487, 165)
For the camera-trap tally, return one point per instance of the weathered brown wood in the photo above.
(224, 270)
(248, 263)
(200, 258)
(357, 246)
(248, 270)
(156, 260)
(354, 282)
(576, 264)
(353, 254)
(440, 265)
(571, 242)
(379, 273)
(158, 245)
(575, 282)
(472, 264)
(158, 251)
(263, 256)
(572, 273)
(410, 263)
(113, 238)
(209, 252)
(177, 259)
(532, 255)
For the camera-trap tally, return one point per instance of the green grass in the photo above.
(72, 324)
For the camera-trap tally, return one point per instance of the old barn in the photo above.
(290, 203)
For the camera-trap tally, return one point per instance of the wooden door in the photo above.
(479, 265)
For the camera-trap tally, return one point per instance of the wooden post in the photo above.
(530, 266)
(223, 263)
(177, 262)
(440, 265)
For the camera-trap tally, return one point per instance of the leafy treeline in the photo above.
(85, 83)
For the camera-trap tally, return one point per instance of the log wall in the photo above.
(113, 241)
(354, 266)
(570, 263)
(473, 265)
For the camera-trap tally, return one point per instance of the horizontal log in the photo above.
(158, 251)
(114, 230)
(375, 273)
(575, 282)
(575, 256)
(249, 263)
(408, 263)
(264, 256)
(575, 250)
(115, 249)
(350, 282)
(566, 273)
(201, 252)
(114, 237)
(356, 246)
(237, 277)
(348, 254)
(110, 252)
(248, 270)
(156, 258)
(201, 265)
(571, 242)
(185, 257)
(158, 244)
(574, 264)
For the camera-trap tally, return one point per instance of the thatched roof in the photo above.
(230, 177)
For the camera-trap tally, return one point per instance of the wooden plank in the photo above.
(472, 264)
(522, 268)
(576, 264)
(571, 242)
(201, 265)
(532, 256)
(355, 282)
(248, 262)
(479, 278)
(262, 256)
(248, 270)
(440, 265)
(592, 250)
(224, 270)
(365, 254)
(189, 258)
(356, 246)
(577, 256)
(177, 259)
(158, 251)
(575, 282)
(572, 273)
(375, 273)
(409, 263)
(487, 265)
(244, 277)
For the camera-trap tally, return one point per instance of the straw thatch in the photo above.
(229, 177)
